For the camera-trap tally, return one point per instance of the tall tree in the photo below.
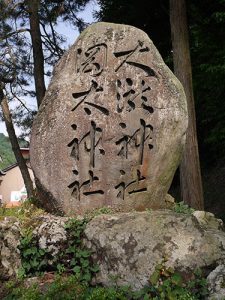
(51, 11)
(40, 19)
(17, 66)
(206, 21)
(38, 55)
(190, 173)
(11, 66)
(152, 16)
(15, 145)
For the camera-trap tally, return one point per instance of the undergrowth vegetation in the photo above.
(164, 284)
(181, 207)
(24, 213)
(74, 257)
(68, 275)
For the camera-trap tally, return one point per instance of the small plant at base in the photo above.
(104, 210)
(74, 257)
(60, 268)
(164, 285)
(26, 211)
(198, 285)
(33, 259)
(99, 211)
(167, 284)
(101, 293)
(183, 208)
(63, 287)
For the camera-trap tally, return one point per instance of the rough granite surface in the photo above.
(129, 246)
(111, 128)
(9, 253)
(216, 283)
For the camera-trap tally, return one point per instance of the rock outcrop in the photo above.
(51, 234)
(128, 247)
(216, 283)
(9, 252)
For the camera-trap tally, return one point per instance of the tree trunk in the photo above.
(38, 56)
(15, 146)
(190, 173)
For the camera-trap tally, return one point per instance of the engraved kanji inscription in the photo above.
(86, 187)
(127, 56)
(106, 127)
(140, 139)
(134, 186)
(86, 99)
(129, 97)
(93, 60)
(89, 143)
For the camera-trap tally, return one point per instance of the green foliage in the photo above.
(183, 208)
(99, 211)
(101, 293)
(6, 152)
(23, 293)
(66, 288)
(16, 66)
(206, 20)
(198, 286)
(104, 210)
(165, 284)
(150, 16)
(9, 212)
(73, 258)
(76, 257)
(169, 285)
(207, 29)
(34, 260)
(24, 213)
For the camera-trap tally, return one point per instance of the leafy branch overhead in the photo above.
(30, 46)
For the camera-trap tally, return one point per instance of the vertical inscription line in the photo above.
(92, 138)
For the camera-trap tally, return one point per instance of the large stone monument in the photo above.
(111, 128)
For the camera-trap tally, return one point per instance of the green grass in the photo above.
(67, 287)
(25, 212)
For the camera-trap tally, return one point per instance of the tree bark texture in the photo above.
(38, 55)
(190, 173)
(15, 146)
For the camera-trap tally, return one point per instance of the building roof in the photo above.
(9, 167)
(2, 173)
(5, 170)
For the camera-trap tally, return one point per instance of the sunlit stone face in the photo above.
(111, 128)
